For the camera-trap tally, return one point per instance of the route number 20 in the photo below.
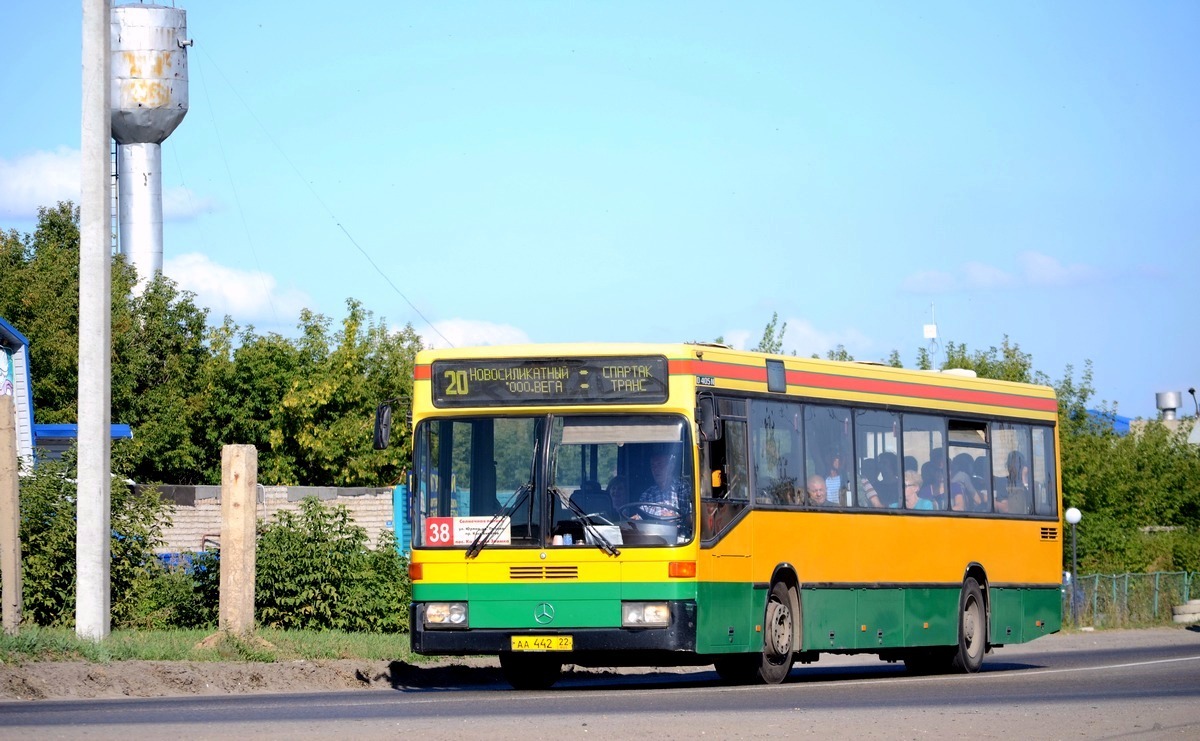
(456, 383)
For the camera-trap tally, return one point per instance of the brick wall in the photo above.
(196, 516)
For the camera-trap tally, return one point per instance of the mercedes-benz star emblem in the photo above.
(543, 613)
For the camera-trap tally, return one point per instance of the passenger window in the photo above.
(924, 439)
(880, 476)
(968, 446)
(1011, 447)
(1045, 480)
(828, 453)
(776, 453)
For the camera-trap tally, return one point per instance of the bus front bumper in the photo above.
(678, 636)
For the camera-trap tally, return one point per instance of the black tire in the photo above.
(781, 630)
(531, 671)
(779, 635)
(972, 629)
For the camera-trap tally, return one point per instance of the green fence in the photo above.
(1126, 600)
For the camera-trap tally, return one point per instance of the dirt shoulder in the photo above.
(46, 680)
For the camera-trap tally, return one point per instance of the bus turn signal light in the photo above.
(681, 569)
(416, 571)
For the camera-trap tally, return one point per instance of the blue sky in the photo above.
(615, 171)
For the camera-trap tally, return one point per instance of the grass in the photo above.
(266, 645)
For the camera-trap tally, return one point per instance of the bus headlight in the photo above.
(446, 615)
(645, 614)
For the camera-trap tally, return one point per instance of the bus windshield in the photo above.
(549, 480)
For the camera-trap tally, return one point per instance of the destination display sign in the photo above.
(525, 382)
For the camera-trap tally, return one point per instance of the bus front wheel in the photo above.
(780, 624)
(972, 629)
(531, 671)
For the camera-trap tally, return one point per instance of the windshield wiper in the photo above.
(602, 542)
(493, 526)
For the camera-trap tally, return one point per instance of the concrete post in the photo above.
(10, 518)
(239, 489)
(93, 614)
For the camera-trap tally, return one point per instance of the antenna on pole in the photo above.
(931, 334)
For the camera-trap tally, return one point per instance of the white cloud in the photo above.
(467, 332)
(1033, 269)
(248, 296)
(804, 339)
(981, 275)
(38, 179)
(739, 338)
(182, 204)
(929, 281)
(1043, 270)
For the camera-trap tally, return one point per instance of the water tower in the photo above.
(149, 99)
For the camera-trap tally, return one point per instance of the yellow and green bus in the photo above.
(691, 504)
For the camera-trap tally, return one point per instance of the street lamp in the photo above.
(1073, 518)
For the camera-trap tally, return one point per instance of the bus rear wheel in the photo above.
(530, 671)
(972, 629)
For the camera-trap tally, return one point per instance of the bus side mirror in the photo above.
(707, 418)
(383, 425)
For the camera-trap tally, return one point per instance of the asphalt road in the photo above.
(1137, 684)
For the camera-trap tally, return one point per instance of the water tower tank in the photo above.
(149, 100)
(149, 69)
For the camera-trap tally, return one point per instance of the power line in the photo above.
(328, 210)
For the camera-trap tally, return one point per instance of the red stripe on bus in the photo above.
(718, 370)
(835, 382)
(921, 391)
(421, 372)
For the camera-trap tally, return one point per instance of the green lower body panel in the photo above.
(727, 613)
(876, 619)
(1019, 615)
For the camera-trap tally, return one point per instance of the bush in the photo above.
(315, 571)
(48, 533)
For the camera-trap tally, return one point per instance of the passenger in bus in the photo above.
(934, 486)
(817, 492)
(868, 496)
(960, 473)
(890, 484)
(982, 473)
(1017, 500)
(618, 491)
(834, 480)
(912, 490)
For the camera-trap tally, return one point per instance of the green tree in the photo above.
(772, 338)
(322, 430)
(839, 353)
(158, 353)
(1006, 363)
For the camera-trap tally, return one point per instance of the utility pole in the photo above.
(10, 518)
(93, 614)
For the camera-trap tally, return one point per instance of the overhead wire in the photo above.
(236, 199)
(321, 201)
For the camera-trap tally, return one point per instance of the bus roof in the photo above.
(715, 367)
